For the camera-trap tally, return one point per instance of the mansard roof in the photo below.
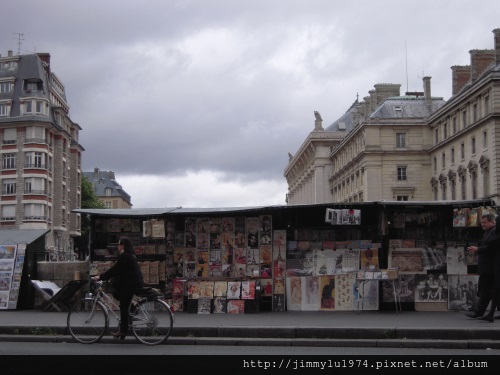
(408, 106)
(102, 180)
(345, 123)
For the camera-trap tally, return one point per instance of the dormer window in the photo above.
(32, 85)
(108, 192)
(34, 107)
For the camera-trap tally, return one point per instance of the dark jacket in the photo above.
(127, 270)
(486, 252)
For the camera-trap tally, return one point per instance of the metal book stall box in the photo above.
(352, 256)
(19, 250)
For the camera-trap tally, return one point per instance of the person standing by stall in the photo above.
(494, 246)
(126, 270)
(485, 265)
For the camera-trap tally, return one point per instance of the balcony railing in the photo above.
(35, 218)
(36, 165)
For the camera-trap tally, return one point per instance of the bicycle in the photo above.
(150, 318)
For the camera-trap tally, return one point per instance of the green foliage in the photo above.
(89, 198)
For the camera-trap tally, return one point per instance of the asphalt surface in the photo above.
(448, 329)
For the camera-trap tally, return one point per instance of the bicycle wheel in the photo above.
(151, 321)
(87, 320)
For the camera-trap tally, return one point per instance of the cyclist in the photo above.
(126, 270)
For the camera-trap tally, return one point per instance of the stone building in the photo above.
(107, 189)
(408, 147)
(41, 153)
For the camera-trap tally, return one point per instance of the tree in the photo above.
(89, 200)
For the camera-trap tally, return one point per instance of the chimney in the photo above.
(96, 173)
(460, 76)
(480, 61)
(386, 90)
(10, 53)
(373, 100)
(427, 91)
(497, 46)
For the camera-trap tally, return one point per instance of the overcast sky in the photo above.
(196, 103)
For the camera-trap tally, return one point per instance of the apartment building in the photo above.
(410, 147)
(40, 151)
(107, 189)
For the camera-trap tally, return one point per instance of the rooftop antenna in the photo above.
(406, 53)
(19, 39)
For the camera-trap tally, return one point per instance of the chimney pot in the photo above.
(427, 91)
(497, 45)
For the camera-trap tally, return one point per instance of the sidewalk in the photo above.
(316, 328)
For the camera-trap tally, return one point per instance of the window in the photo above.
(445, 130)
(37, 107)
(9, 161)
(452, 156)
(473, 145)
(453, 186)
(5, 87)
(35, 134)
(34, 160)
(436, 136)
(9, 186)
(4, 110)
(486, 105)
(463, 186)
(464, 119)
(485, 139)
(454, 125)
(402, 198)
(34, 211)
(9, 212)
(9, 136)
(443, 191)
(108, 204)
(474, 113)
(34, 185)
(462, 151)
(443, 160)
(400, 140)
(434, 163)
(401, 173)
(474, 185)
(8, 65)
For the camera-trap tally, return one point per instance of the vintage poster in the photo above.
(311, 293)
(294, 293)
(204, 305)
(434, 259)
(366, 294)
(455, 261)
(462, 292)
(344, 291)
(432, 287)
(233, 289)
(369, 259)
(350, 260)
(235, 306)
(248, 289)
(406, 260)
(220, 305)
(327, 285)
(220, 289)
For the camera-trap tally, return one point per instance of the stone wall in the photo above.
(61, 273)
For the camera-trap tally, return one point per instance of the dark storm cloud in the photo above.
(165, 87)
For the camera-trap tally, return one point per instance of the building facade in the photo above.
(41, 153)
(413, 146)
(107, 189)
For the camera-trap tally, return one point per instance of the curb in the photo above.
(304, 342)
